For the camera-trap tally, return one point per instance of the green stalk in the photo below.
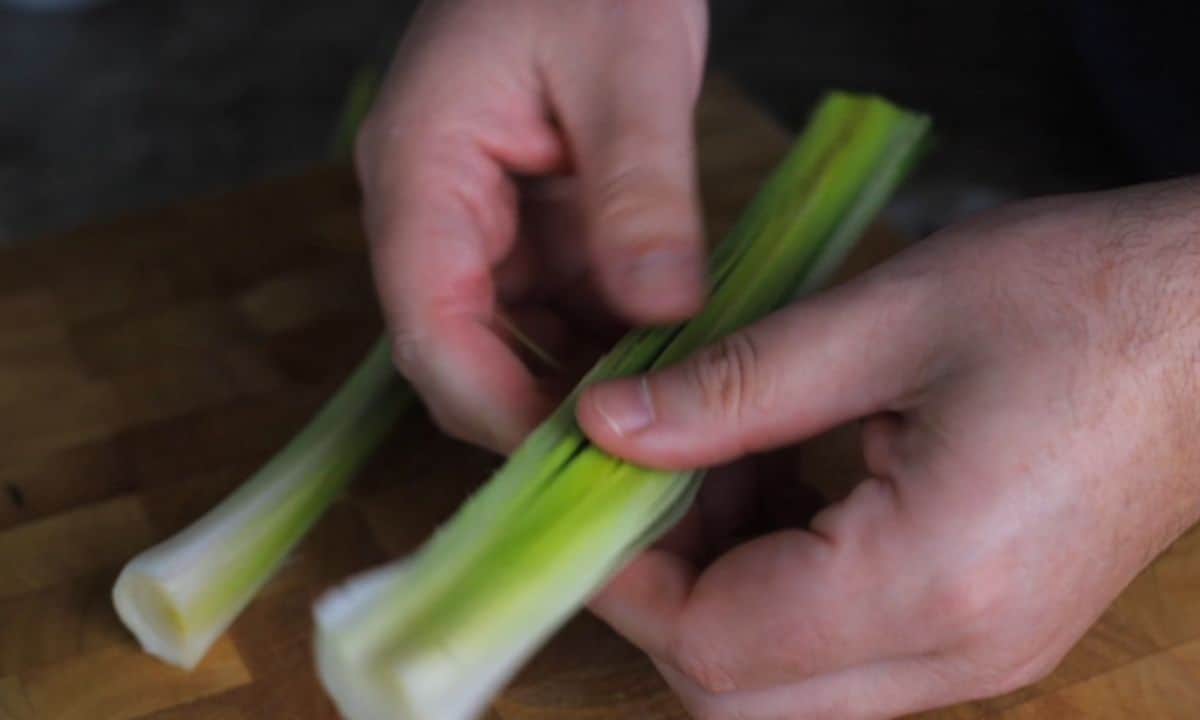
(179, 596)
(435, 636)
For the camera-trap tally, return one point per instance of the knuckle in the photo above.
(976, 616)
(911, 295)
(481, 194)
(730, 378)
(631, 197)
(964, 609)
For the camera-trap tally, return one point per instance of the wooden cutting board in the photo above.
(149, 364)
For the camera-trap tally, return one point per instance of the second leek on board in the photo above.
(180, 595)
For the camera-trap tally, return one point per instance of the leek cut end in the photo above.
(418, 685)
(357, 692)
(149, 611)
(354, 692)
(409, 681)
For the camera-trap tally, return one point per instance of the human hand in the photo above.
(518, 152)
(1027, 389)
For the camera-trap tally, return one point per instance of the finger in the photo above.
(625, 100)
(876, 691)
(493, 403)
(434, 278)
(784, 607)
(853, 352)
(645, 599)
(553, 228)
(650, 590)
(441, 211)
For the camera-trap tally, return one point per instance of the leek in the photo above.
(179, 596)
(435, 636)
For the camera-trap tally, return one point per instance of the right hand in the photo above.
(520, 153)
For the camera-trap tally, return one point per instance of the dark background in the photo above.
(140, 102)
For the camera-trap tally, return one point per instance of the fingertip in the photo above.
(476, 387)
(634, 419)
(614, 412)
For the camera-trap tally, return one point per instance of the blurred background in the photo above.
(134, 103)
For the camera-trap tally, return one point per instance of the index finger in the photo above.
(439, 224)
(440, 205)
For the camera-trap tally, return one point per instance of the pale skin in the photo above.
(1026, 382)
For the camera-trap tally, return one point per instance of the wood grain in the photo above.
(117, 683)
(149, 364)
(70, 545)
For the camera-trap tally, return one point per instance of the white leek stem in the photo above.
(179, 596)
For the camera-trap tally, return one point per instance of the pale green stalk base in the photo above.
(435, 636)
(179, 596)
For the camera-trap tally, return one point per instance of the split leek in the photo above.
(179, 596)
(435, 636)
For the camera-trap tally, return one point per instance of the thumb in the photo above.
(625, 97)
(856, 351)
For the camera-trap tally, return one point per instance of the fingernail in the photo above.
(625, 405)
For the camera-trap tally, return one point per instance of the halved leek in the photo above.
(179, 596)
(435, 636)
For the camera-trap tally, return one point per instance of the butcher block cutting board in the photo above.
(149, 364)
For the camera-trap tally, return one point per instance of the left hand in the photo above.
(530, 165)
(1027, 384)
